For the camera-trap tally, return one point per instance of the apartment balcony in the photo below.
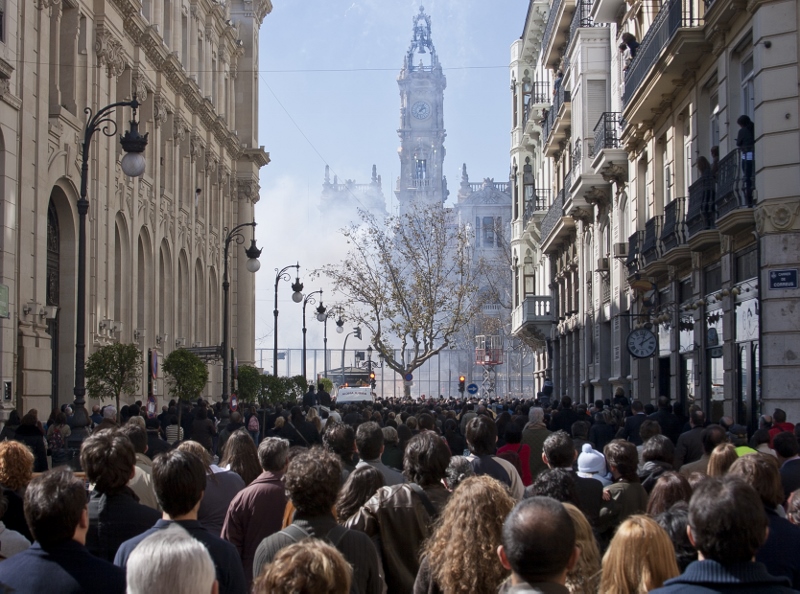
(606, 11)
(536, 205)
(581, 19)
(533, 317)
(555, 224)
(559, 118)
(651, 246)
(586, 187)
(633, 261)
(673, 232)
(556, 32)
(734, 198)
(673, 42)
(701, 215)
(609, 159)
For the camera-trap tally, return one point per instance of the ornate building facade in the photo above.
(656, 183)
(154, 243)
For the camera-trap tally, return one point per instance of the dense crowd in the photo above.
(437, 496)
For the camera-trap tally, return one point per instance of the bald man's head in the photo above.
(539, 539)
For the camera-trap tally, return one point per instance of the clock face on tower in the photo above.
(421, 110)
(642, 343)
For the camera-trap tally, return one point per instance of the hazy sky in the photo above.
(328, 94)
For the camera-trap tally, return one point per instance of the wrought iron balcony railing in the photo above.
(554, 214)
(701, 213)
(607, 132)
(540, 95)
(561, 97)
(550, 27)
(634, 247)
(674, 14)
(538, 203)
(581, 19)
(735, 181)
(652, 240)
(673, 233)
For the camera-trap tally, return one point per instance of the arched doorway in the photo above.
(53, 293)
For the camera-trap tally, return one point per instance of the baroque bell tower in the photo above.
(421, 131)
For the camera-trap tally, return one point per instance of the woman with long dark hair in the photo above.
(362, 484)
(241, 456)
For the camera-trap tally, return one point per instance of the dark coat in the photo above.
(563, 420)
(710, 577)
(779, 553)
(115, 518)
(66, 568)
(669, 422)
(226, 560)
(790, 476)
(689, 447)
(600, 434)
(630, 430)
(33, 438)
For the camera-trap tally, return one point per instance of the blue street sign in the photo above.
(783, 279)
(409, 377)
(472, 388)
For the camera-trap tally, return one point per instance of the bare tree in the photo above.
(409, 279)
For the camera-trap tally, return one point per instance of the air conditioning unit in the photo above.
(602, 265)
(621, 250)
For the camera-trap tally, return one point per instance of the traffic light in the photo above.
(461, 381)
(372, 379)
(357, 332)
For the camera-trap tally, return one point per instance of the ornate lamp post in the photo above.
(253, 265)
(133, 164)
(297, 297)
(339, 329)
(320, 316)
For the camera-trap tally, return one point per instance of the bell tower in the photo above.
(421, 131)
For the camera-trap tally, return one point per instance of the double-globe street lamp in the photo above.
(133, 165)
(320, 316)
(253, 265)
(297, 297)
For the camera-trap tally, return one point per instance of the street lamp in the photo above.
(133, 164)
(320, 312)
(253, 265)
(297, 297)
(339, 328)
(357, 333)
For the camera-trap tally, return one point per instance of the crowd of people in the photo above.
(440, 496)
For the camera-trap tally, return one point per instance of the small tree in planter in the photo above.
(250, 384)
(186, 376)
(113, 370)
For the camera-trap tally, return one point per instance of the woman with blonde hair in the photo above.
(641, 539)
(312, 416)
(307, 567)
(585, 576)
(453, 559)
(721, 459)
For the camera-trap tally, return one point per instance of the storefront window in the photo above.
(715, 376)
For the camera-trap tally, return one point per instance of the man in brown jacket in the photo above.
(257, 511)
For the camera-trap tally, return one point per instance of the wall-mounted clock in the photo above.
(642, 343)
(421, 110)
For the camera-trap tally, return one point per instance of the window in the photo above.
(746, 265)
(748, 92)
(713, 124)
(514, 108)
(488, 232)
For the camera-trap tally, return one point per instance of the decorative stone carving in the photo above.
(211, 162)
(159, 111)
(140, 88)
(42, 4)
(195, 146)
(179, 128)
(779, 217)
(247, 189)
(110, 52)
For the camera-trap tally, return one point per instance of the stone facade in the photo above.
(154, 244)
(637, 232)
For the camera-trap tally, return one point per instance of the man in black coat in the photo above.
(565, 417)
(115, 514)
(58, 562)
(310, 397)
(559, 452)
(323, 397)
(690, 444)
(669, 422)
(787, 450)
(630, 431)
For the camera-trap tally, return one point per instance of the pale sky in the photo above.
(328, 94)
